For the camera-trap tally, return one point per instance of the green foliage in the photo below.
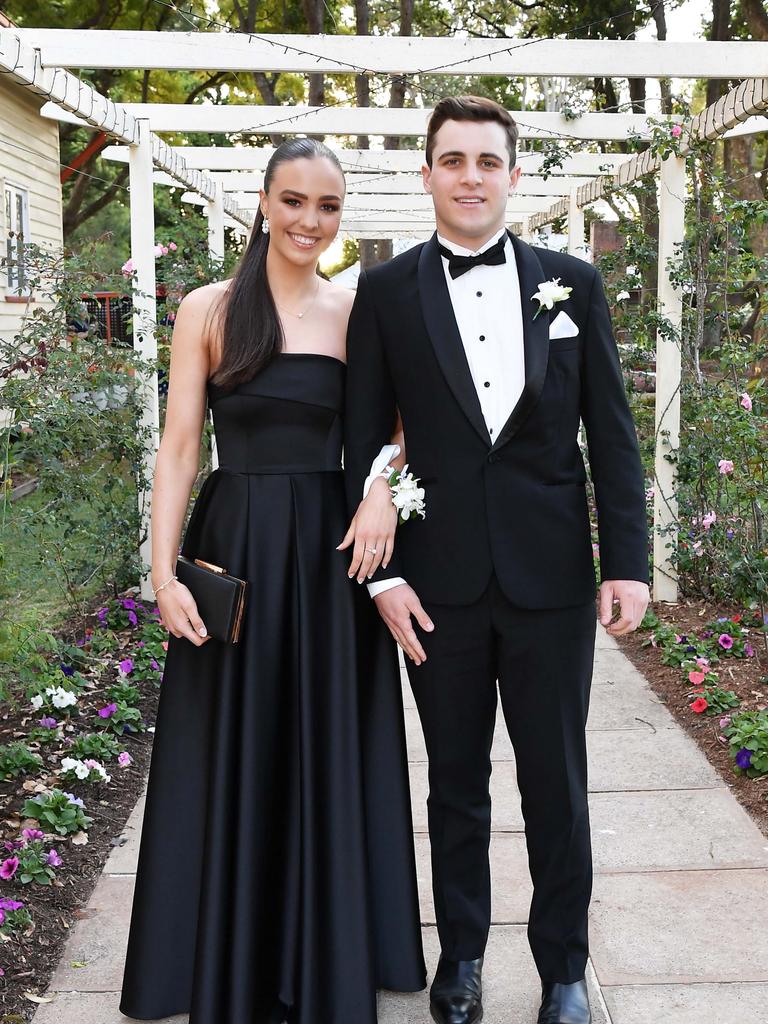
(124, 719)
(16, 759)
(98, 745)
(747, 735)
(34, 866)
(719, 701)
(14, 923)
(56, 811)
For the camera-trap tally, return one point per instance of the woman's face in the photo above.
(304, 207)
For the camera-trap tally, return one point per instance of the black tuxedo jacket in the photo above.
(516, 507)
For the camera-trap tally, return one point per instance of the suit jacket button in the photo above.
(492, 458)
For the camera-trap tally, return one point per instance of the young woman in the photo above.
(276, 876)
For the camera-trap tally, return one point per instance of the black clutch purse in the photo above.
(220, 598)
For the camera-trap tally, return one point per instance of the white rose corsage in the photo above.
(407, 496)
(549, 293)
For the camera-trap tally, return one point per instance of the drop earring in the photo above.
(265, 226)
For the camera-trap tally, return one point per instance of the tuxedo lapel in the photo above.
(535, 339)
(444, 334)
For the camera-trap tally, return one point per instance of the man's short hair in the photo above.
(471, 108)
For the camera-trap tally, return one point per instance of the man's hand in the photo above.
(396, 607)
(632, 598)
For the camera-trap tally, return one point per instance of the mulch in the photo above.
(747, 677)
(30, 963)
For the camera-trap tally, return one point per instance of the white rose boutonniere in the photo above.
(549, 293)
(407, 496)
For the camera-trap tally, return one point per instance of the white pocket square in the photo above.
(562, 327)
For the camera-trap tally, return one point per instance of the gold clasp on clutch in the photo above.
(213, 568)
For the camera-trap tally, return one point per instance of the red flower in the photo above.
(699, 705)
(735, 618)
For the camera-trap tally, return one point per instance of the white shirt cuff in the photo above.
(382, 460)
(383, 585)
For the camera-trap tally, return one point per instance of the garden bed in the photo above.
(746, 677)
(30, 953)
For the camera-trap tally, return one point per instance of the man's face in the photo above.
(470, 181)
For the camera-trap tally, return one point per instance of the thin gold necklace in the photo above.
(300, 316)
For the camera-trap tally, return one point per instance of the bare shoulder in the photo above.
(202, 301)
(338, 299)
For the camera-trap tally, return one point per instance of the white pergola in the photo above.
(385, 195)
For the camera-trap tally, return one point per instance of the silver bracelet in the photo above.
(163, 586)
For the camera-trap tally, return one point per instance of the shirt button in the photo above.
(479, 295)
(487, 384)
(482, 337)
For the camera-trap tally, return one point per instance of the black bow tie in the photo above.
(493, 257)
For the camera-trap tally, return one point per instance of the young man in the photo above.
(491, 385)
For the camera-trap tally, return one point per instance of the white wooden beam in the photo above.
(231, 51)
(575, 225)
(403, 121)
(255, 158)
(672, 187)
(77, 99)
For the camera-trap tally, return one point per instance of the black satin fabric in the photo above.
(276, 877)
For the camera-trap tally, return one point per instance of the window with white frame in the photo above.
(17, 237)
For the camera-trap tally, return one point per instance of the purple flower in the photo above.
(744, 758)
(8, 904)
(126, 666)
(102, 614)
(80, 642)
(124, 759)
(133, 619)
(725, 722)
(725, 641)
(749, 650)
(67, 669)
(129, 604)
(8, 867)
(32, 833)
(141, 644)
(74, 799)
(690, 650)
(53, 860)
(107, 711)
(2, 917)
(48, 723)
(154, 664)
(706, 634)
(729, 534)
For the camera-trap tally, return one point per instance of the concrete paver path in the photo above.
(680, 905)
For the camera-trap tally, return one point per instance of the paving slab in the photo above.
(622, 760)
(674, 829)
(688, 1004)
(680, 927)
(98, 940)
(123, 858)
(627, 706)
(90, 1008)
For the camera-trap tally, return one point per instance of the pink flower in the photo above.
(746, 402)
(725, 721)
(158, 250)
(172, 246)
(703, 663)
(725, 466)
(677, 131)
(165, 250)
(725, 641)
(124, 759)
(697, 678)
(32, 833)
(8, 867)
(709, 520)
(128, 268)
(108, 711)
(53, 860)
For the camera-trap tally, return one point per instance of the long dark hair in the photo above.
(251, 332)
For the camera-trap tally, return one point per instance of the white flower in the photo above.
(621, 296)
(37, 702)
(549, 293)
(632, 271)
(68, 764)
(61, 698)
(407, 496)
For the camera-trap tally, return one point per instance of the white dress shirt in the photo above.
(489, 314)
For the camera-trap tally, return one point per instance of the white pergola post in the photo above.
(672, 186)
(215, 213)
(525, 230)
(145, 320)
(575, 224)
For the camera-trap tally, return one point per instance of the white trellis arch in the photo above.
(384, 187)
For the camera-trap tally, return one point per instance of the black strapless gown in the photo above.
(276, 877)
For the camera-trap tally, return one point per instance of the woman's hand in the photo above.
(372, 531)
(179, 613)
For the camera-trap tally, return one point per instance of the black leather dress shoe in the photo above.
(456, 995)
(564, 1004)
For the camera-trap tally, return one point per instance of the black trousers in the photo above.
(542, 661)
